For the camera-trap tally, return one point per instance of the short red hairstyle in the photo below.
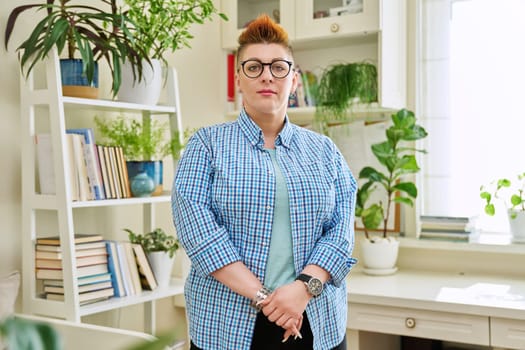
(263, 30)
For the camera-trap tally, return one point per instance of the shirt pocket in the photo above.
(314, 190)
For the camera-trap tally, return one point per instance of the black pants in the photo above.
(268, 336)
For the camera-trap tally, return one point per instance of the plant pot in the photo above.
(147, 90)
(153, 168)
(517, 226)
(379, 255)
(74, 82)
(161, 265)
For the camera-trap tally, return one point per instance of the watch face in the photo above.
(315, 286)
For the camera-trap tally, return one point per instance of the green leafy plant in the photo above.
(514, 193)
(155, 241)
(163, 25)
(22, 334)
(96, 31)
(398, 159)
(140, 140)
(341, 85)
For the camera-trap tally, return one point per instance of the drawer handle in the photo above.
(410, 322)
(334, 27)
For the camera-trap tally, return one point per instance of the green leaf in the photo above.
(490, 210)
(515, 200)
(406, 187)
(372, 216)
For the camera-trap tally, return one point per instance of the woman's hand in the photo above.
(285, 307)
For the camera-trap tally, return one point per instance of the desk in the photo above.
(473, 309)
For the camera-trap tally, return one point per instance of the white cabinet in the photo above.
(507, 333)
(317, 19)
(419, 323)
(375, 32)
(44, 109)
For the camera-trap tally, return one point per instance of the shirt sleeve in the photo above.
(207, 244)
(333, 251)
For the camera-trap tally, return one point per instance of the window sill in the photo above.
(484, 243)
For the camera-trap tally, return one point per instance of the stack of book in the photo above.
(445, 228)
(94, 279)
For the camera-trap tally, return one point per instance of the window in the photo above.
(471, 76)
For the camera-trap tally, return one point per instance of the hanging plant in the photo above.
(343, 84)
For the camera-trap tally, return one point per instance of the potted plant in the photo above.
(512, 194)
(98, 31)
(397, 157)
(343, 84)
(160, 26)
(160, 249)
(144, 144)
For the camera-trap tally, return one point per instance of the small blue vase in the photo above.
(142, 185)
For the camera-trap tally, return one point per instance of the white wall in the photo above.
(203, 94)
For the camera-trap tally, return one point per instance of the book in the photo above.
(124, 269)
(70, 164)
(114, 269)
(85, 191)
(133, 268)
(81, 261)
(58, 255)
(84, 297)
(78, 247)
(98, 278)
(147, 278)
(90, 155)
(79, 238)
(111, 175)
(57, 274)
(444, 223)
(125, 176)
(103, 171)
(81, 289)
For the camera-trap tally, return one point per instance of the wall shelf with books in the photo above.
(54, 284)
(306, 115)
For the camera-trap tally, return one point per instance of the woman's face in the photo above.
(266, 94)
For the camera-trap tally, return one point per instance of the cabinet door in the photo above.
(507, 333)
(317, 19)
(241, 12)
(446, 326)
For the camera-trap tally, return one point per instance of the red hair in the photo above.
(263, 30)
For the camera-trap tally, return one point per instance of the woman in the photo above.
(264, 210)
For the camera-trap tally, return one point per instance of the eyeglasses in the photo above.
(278, 68)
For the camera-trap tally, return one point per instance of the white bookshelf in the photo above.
(41, 99)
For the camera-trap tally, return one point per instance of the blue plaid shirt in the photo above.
(222, 203)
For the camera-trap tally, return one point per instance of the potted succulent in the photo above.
(397, 157)
(160, 249)
(160, 26)
(341, 85)
(512, 194)
(144, 144)
(100, 31)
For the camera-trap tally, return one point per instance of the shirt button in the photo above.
(268, 207)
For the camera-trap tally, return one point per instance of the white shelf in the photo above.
(175, 288)
(306, 115)
(110, 105)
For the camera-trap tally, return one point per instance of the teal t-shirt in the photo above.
(280, 266)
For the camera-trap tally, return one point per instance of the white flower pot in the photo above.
(161, 264)
(146, 91)
(517, 227)
(379, 256)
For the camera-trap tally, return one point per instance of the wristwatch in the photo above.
(313, 285)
